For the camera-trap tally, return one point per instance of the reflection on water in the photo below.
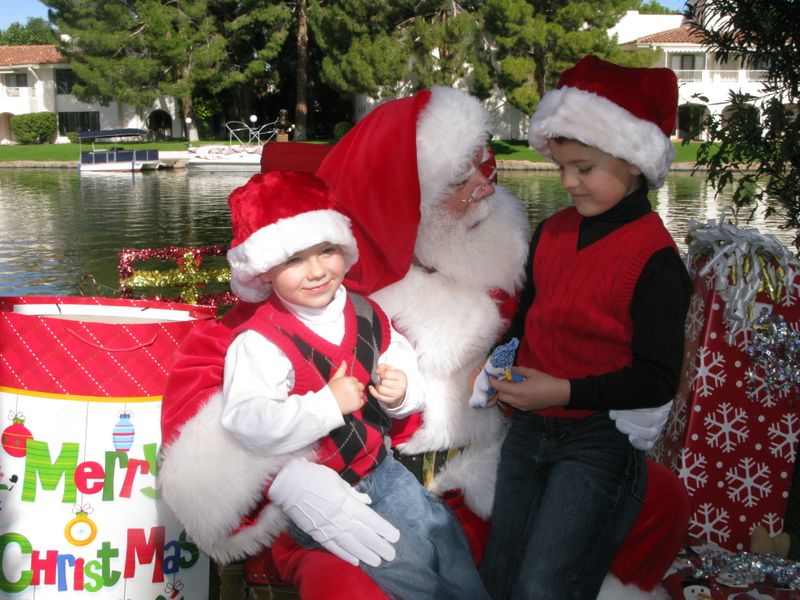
(682, 198)
(57, 226)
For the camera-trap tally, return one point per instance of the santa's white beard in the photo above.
(444, 308)
(479, 247)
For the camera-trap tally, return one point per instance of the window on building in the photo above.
(65, 79)
(16, 80)
(732, 64)
(69, 122)
(687, 62)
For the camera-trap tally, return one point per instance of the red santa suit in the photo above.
(437, 278)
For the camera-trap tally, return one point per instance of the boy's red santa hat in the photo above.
(627, 112)
(276, 215)
(400, 159)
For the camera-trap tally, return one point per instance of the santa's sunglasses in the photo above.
(488, 166)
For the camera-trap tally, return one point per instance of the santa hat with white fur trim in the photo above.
(275, 215)
(627, 112)
(399, 160)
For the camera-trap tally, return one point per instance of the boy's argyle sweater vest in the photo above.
(580, 320)
(357, 447)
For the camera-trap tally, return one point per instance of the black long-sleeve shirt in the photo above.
(658, 311)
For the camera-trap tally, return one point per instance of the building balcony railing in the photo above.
(17, 92)
(719, 75)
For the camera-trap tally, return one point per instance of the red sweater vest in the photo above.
(580, 322)
(357, 447)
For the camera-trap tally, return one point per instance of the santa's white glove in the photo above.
(335, 515)
(642, 425)
(481, 387)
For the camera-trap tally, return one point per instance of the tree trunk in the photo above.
(301, 108)
(190, 128)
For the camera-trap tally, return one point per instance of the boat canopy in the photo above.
(109, 133)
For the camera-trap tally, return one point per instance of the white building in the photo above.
(698, 72)
(38, 79)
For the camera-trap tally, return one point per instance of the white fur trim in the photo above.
(450, 319)
(273, 244)
(602, 124)
(451, 129)
(210, 482)
(614, 589)
(474, 472)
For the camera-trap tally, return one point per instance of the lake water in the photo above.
(60, 230)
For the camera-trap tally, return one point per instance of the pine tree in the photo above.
(537, 39)
(134, 52)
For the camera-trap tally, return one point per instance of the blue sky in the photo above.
(18, 11)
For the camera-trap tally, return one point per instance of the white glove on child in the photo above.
(480, 389)
(642, 425)
(335, 515)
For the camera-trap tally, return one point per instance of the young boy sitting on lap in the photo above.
(319, 368)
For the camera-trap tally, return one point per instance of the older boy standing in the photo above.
(601, 329)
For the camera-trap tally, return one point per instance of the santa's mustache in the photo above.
(478, 212)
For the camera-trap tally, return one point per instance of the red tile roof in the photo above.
(11, 56)
(682, 35)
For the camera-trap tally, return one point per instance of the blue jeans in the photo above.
(567, 493)
(433, 557)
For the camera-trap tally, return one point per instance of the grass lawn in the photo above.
(503, 149)
(519, 150)
(71, 152)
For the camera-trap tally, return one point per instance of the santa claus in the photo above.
(442, 250)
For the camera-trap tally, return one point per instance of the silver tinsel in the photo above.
(744, 569)
(775, 355)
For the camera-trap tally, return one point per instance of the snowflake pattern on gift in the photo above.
(726, 427)
(692, 470)
(739, 338)
(760, 390)
(710, 524)
(678, 417)
(695, 318)
(784, 436)
(748, 482)
(709, 373)
(792, 292)
(772, 522)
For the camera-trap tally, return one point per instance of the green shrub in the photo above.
(35, 128)
(72, 136)
(341, 128)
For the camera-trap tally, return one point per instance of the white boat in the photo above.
(241, 153)
(116, 159)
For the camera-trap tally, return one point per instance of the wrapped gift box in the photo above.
(733, 431)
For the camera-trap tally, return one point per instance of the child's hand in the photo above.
(392, 388)
(347, 390)
(537, 391)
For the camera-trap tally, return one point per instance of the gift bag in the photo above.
(80, 394)
(733, 431)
